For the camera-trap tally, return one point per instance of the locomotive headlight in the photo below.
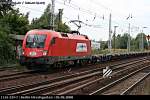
(32, 53)
(44, 53)
(23, 53)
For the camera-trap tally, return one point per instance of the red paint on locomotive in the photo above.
(47, 43)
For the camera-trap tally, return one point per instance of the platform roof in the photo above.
(17, 37)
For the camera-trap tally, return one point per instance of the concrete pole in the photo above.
(109, 42)
(142, 44)
(53, 14)
(128, 44)
(115, 37)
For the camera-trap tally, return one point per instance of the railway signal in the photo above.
(148, 37)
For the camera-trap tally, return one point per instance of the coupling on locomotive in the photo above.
(50, 47)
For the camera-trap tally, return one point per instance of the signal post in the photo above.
(148, 38)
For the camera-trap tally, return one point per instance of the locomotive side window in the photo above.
(53, 40)
(35, 41)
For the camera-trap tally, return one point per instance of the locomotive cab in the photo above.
(35, 45)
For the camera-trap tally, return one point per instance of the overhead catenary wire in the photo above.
(76, 7)
(86, 24)
(83, 10)
(90, 25)
(71, 2)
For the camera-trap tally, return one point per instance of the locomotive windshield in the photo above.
(35, 41)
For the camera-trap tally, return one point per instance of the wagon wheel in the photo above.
(82, 62)
(21, 61)
(75, 62)
(30, 67)
(57, 65)
(42, 67)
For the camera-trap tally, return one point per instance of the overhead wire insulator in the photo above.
(103, 17)
(78, 17)
(94, 17)
(69, 1)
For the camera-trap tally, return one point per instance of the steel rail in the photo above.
(87, 84)
(98, 91)
(4, 91)
(127, 91)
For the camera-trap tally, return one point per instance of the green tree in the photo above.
(11, 22)
(17, 22)
(104, 45)
(45, 20)
(5, 7)
(121, 41)
(138, 41)
(118, 39)
(6, 48)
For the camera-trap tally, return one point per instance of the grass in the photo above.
(106, 51)
(20, 68)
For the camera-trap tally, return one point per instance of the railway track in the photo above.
(42, 87)
(25, 74)
(82, 88)
(129, 89)
(8, 67)
(117, 84)
(17, 75)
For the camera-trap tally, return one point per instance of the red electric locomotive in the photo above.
(50, 47)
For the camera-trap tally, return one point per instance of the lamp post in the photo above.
(128, 43)
(109, 41)
(148, 37)
(115, 37)
(53, 12)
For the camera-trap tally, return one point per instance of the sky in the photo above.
(96, 13)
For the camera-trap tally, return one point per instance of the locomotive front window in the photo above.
(35, 41)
